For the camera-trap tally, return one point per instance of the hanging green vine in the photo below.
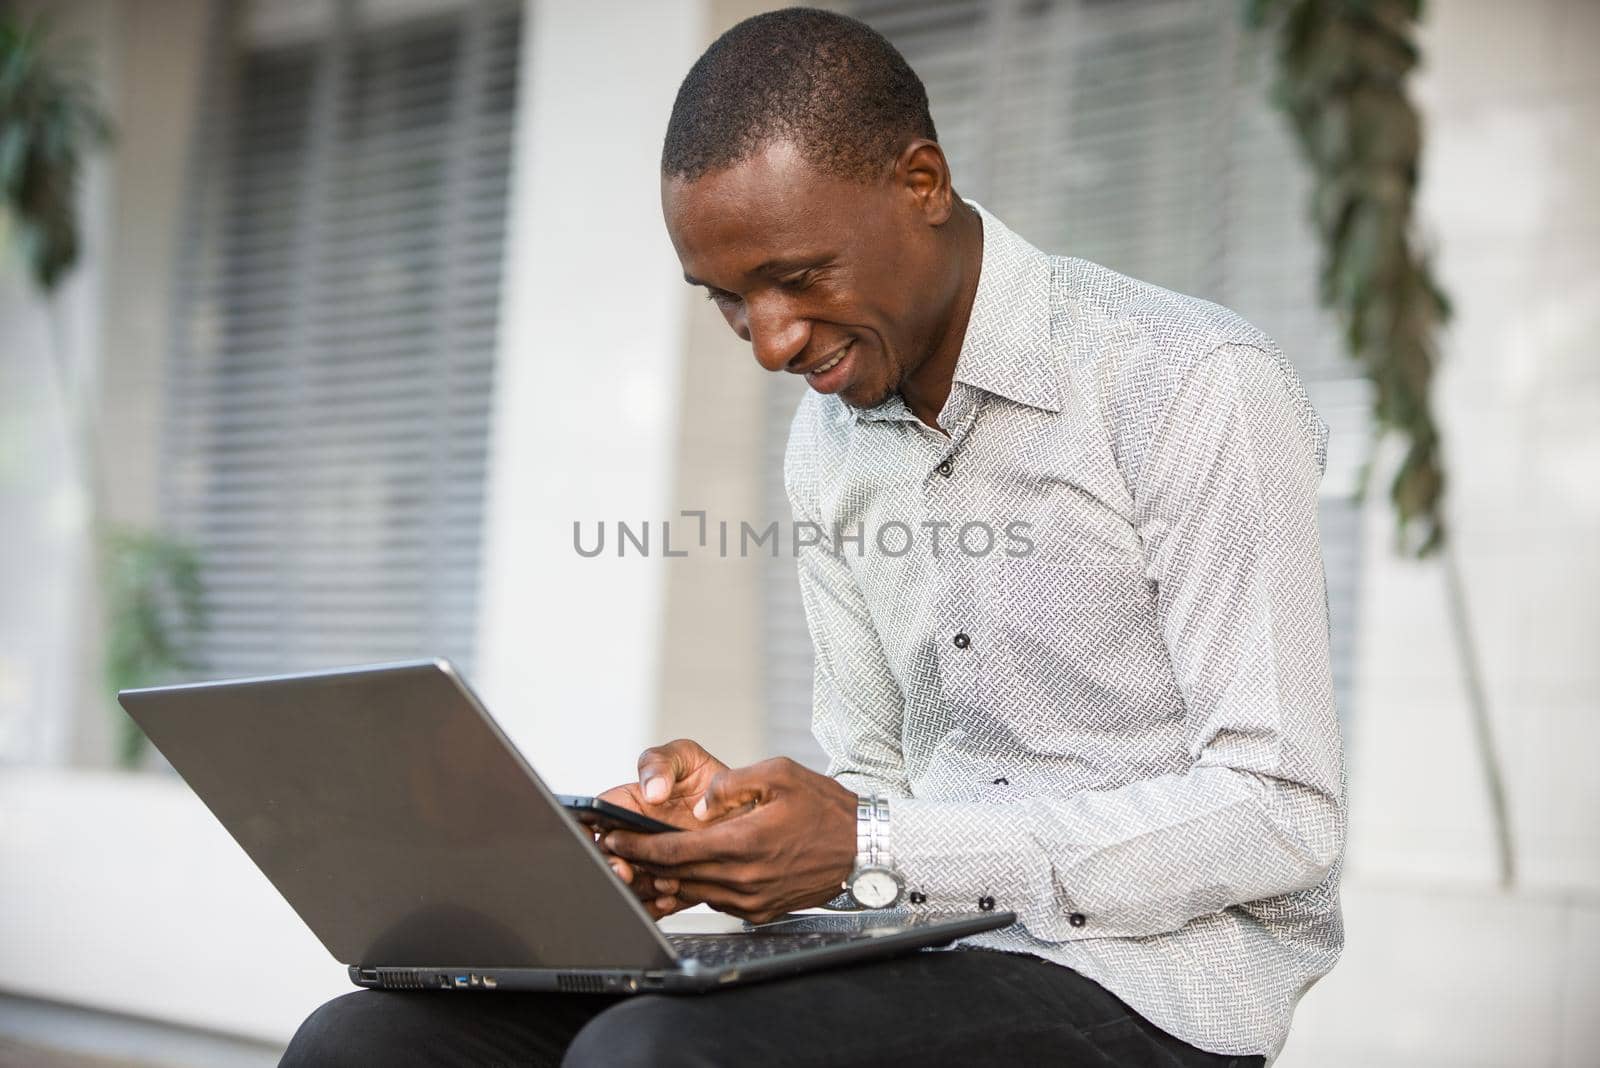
(1341, 77)
(49, 122)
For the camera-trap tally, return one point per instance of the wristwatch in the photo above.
(874, 884)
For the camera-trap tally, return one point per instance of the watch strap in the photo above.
(882, 856)
(865, 814)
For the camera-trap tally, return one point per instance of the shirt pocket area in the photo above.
(1078, 645)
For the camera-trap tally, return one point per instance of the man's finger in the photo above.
(666, 905)
(641, 883)
(645, 886)
(722, 841)
(657, 906)
(718, 897)
(733, 789)
(724, 872)
(661, 766)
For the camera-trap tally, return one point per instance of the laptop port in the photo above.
(490, 981)
(461, 981)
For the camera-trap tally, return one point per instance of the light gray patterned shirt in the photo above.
(1094, 678)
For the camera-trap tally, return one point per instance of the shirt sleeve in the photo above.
(856, 702)
(1226, 506)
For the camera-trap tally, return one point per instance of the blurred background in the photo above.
(373, 303)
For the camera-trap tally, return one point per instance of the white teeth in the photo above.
(830, 364)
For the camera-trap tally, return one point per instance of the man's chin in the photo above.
(862, 400)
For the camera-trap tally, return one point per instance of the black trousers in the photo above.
(958, 1007)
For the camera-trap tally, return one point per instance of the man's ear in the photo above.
(924, 174)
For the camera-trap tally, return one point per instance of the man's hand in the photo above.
(672, 778)
(792, 850)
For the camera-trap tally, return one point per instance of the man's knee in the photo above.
(361, 1028)
(654, 1030)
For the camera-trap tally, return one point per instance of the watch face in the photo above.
(875, 888)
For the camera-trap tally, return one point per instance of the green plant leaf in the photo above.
(1341, 81)
(155, 613)
(49, 121)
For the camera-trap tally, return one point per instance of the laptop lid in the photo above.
(398, 820)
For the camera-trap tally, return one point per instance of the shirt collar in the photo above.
(1007, 348)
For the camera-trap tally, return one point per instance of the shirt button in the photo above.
(961, 640)
(918, 897)
(945, 468)
(1002, 781)
(986, 904)
(1077, 919)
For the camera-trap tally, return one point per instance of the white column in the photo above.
(50, 681)
(592, 329)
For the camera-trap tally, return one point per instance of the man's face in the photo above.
(826, 277)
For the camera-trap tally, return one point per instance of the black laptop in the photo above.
(393, 814)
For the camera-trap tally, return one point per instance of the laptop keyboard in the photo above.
(713, 949)
(794, 934)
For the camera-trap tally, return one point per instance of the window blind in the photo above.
(1137, 134)
(329, 390)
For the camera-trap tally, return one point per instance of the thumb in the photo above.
(661, 767)
(731, 789)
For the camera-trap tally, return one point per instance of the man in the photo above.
(1115, 718)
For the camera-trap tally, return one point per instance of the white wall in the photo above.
(1441, 968)
(592, 329)
(43, 548)
(44, 513)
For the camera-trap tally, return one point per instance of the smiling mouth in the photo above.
(832, 363)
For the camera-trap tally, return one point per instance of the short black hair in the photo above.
(830, 85)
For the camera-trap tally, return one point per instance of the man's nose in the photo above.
(776, 335)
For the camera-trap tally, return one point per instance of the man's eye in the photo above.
(796, 281)
(720, 297)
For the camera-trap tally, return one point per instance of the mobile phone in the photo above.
(604, 816)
